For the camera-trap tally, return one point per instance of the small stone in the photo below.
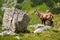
(40, 27)
(17, 37)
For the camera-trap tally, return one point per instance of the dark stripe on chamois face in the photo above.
(38, 13)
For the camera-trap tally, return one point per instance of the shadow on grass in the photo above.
(56, 31)
(25, 31)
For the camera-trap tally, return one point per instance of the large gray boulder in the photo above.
(15, 20)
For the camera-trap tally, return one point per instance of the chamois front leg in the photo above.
(42, 21)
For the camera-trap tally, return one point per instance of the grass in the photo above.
(46, 35)
(51, 34)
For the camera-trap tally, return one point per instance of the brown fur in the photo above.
(44, 17)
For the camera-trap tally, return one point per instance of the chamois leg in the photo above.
(44, 22)
(51, 23)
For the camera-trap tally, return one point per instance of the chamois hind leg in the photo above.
(44, 22)
(51, 23)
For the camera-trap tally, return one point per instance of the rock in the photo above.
(40, 27)
(15, 20)
(39, 30)
(7, 33)
(36, 26)
(17, 37)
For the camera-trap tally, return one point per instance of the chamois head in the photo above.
(35, 12)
